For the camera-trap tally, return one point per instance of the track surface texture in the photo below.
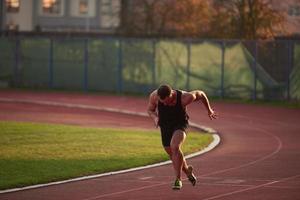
(258, 157)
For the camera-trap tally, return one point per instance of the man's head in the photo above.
(164, 93)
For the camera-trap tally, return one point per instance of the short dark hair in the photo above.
(164, 91)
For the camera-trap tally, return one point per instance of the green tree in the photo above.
(190, 18)
(244, 19)
(165, 17)
(144, 17)
(247, 19)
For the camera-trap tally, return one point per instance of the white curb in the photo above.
(216, 141)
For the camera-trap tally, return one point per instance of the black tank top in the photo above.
(172, 115)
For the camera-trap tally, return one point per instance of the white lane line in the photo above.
(88, 107)
(70, 105)
(278, 148)
(251, 188)
(280, 123)
(210, 198)
(125, 191)
(146, 178)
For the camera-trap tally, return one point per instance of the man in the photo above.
(167, 108)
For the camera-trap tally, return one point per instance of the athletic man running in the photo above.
(167, 107)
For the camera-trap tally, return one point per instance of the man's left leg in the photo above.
(185, 167)
(177, 155)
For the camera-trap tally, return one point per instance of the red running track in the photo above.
(258, 157)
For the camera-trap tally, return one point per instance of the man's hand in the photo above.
(212, 115)
(156, 121)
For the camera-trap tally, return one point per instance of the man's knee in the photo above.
(169, 151)
(175, 148)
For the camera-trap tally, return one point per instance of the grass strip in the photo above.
(32, 153)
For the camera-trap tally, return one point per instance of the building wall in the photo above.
(23, 18)
(110, 13)
(1, 15)
(102, 16)
(68, 20)
(291, 11)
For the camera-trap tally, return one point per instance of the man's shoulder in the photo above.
(153, 95)
(185, 93)
(186, 98)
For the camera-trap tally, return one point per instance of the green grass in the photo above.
(33, 153)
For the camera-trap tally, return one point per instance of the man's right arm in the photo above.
(152, 104)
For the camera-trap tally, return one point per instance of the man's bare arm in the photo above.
(198, 95)
(152, 104)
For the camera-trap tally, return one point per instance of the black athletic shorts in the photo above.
(168, 131)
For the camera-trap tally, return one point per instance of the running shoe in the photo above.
(192, 178)
(177, 185)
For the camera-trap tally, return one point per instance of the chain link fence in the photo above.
(268, 70)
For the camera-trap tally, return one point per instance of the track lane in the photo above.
(240, 165)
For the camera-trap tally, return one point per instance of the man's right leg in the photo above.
(184, 166)
(166, 140)
(188, 170)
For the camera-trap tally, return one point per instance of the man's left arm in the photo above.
(197, 95)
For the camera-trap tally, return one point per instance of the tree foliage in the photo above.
(247, 19)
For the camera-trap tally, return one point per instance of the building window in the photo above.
(12, 5)
(12, 27)
(52, 7)
(106, 7)
(110, 10)
(83, 7)
(294, 10)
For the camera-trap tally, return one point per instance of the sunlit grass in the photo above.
(33, 153)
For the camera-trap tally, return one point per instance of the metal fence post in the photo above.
(17, 62)
(154, 63)
(255, 71)
(289, 66)
(86, 63)
(120, 60)
(188, 46)
(222, 69)
(50, 64)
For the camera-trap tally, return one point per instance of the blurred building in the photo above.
(1, 14)
(102, 16)
(60, 15)
(291, 11)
